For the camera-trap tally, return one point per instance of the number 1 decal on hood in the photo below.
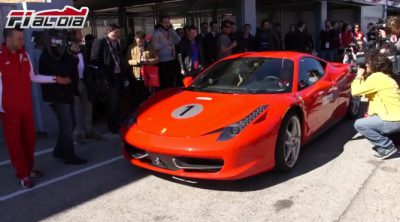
(187, 111)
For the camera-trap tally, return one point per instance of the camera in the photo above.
(352, 48)
(381, 24)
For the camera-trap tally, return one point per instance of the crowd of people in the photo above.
(77, 73)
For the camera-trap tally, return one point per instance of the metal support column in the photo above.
(248, 14)
(122, 17)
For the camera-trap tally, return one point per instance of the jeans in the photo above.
(83, 111)
(65, 116)
(374, 129)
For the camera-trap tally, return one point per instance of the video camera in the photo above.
(384, 45)
(375, 36)
(352, 48)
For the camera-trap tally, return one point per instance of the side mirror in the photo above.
(187, 81)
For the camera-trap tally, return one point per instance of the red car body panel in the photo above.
(252, 151)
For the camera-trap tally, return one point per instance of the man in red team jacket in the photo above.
(16, 74)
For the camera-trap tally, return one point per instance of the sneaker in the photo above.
(26, 182)
(383, 153)
(93, 135)
(35, 174)
(375, 148)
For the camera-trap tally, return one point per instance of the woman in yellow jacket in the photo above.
(377, 84)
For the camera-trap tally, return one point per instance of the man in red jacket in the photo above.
(16, 74)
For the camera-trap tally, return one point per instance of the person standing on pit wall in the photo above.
(16, 107)
(164, 40)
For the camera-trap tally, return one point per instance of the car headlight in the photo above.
(234, 129)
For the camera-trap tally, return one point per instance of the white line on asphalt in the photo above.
(66, 176)
(42, 152)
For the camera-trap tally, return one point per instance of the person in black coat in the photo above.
(265, 38)
(106, 54)
(210, 44)
(303, 41)
(190, 54)
(58, 60)
(290, 38)
(246, 41)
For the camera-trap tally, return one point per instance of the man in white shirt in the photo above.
(82, 105)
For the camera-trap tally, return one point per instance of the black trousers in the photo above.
(169, 74)
(112, 103)
(65, 116)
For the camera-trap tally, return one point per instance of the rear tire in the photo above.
(288, 144)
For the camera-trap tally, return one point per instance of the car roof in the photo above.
(271, 54)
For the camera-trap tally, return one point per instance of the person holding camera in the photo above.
(383, 117)
(391, 31)
(61, 59)
(354, 53)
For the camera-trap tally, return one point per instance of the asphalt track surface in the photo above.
(336, 179)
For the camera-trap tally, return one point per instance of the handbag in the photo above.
(150, 75)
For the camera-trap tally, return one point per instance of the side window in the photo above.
(310, 71)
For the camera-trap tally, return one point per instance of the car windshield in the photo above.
(247, 75)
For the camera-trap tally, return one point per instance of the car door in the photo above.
(316, 94)
(342, 78)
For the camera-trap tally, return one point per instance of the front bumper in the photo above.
(202, 157)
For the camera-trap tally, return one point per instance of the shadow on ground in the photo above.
(319, 152)
(67, 194)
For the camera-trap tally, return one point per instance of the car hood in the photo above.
(183, 113)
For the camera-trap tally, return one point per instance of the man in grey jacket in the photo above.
(164, 40)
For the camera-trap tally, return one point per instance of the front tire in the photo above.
(288, 144)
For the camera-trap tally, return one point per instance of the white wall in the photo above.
(346, 15)
(370, 14)
(249, 14)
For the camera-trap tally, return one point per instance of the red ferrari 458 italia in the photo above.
(246, 114)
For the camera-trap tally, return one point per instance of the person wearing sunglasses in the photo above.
(358, 34)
